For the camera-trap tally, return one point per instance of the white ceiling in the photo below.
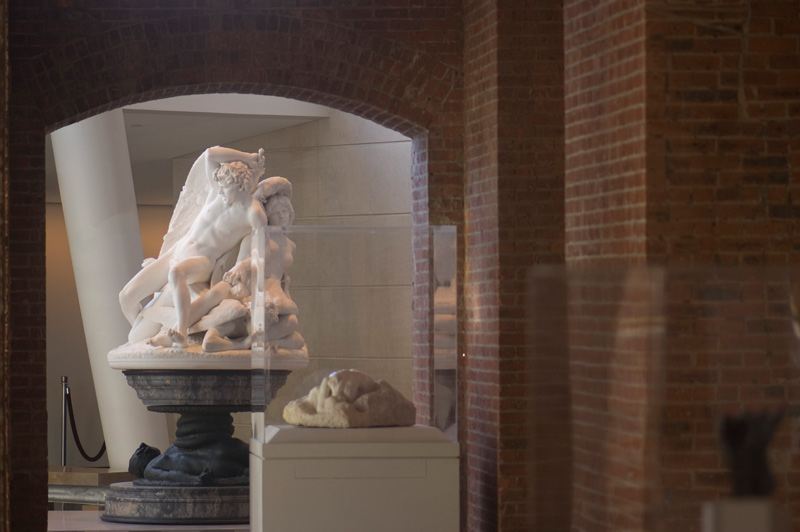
(162, 130)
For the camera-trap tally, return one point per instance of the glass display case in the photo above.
(343, 299)
(355, 298)
(663, 398)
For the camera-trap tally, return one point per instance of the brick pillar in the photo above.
(27, 394)
(530, 155)
(605, 131)
(606, 219)
(723, 170)
(481, 277)
(514, 219)
(437, 199)
(4, 410)
(722, 115)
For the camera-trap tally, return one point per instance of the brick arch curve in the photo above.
(383, 80)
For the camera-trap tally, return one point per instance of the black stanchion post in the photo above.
(64, 394)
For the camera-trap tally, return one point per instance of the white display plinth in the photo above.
(392, 479)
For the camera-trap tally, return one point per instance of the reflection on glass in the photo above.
(445, 329)
(632, 373)
(351, 305)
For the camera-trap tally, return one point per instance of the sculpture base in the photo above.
(390, 479)
(204, 398)
(129, 503)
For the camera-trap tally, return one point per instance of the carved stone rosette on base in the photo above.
(203, 477)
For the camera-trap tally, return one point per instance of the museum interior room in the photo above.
(565, 231)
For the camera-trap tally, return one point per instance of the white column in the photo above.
(94, 175)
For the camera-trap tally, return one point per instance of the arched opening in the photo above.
(423, 385)
(345, 171)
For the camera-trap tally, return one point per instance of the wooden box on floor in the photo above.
(70, 478)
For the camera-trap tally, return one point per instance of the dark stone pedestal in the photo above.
(129, 503)
(203, 477)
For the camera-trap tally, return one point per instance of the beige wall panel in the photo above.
(356, 322)
(365, 179)
(344, 128)
(351, 259)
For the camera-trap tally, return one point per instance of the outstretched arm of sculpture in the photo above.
(276, 300)
(217, 155)
(239, 277)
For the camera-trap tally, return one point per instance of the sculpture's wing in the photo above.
(271, 186)
(190, 202)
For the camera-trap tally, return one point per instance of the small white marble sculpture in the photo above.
(349, 398)
(195, 294)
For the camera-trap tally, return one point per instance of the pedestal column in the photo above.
(94, 175)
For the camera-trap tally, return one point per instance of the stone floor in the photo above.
(89, 521)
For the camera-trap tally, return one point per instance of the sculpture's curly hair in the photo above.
(235, 173)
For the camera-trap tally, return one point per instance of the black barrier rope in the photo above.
(75, 433)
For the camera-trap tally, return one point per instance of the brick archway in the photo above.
(73, 65)
(383, 80)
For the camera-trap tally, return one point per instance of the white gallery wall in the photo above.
(345, 171)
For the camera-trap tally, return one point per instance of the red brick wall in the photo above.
(481, 286)
(723, 121)
(721, 144)
(530, 197)
(605, 131)
(605, 191)
(598, 334)
(514, 218)
(615, 361)
(4, 410)
(26, 342)
(549, 417)
(722, 108)
(730, 349)
(396, 65)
